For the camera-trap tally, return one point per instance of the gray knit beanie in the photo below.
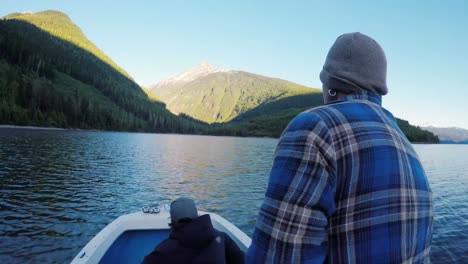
(183, 208)
(354, 63)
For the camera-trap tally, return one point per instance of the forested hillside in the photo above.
(52, 75)
(238, 103)
(417, 134)
(221, 96)
(270, 119)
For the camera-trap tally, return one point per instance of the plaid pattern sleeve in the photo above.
(346, 186)
(292, 223)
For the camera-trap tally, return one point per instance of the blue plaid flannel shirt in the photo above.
(346, 186)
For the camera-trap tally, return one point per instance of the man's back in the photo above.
(382, 198)
(196, 242)
(346, 187)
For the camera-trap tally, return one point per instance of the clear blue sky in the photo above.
(426, 42)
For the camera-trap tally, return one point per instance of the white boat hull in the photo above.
(96, 249)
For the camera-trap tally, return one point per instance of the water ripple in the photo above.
(59, 188)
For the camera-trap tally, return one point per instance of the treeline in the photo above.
(270, 120)
(28, 99)
(264, 126)
(35, 67)
(291, 105)
(416, 134)
(52, 75)
(223, 96)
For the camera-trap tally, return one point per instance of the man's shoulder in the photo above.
(337, 113)
(220, 236)
(167, 245)
(331, 110)
(224, 239)
(309, 119)
(163, 249)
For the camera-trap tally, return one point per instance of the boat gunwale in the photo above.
(97, 247)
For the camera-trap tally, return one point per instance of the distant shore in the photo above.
(96, 130)
(35, 127)
(115, 131)
(52, 128)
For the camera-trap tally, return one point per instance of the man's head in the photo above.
(355, 63)
(183, 209)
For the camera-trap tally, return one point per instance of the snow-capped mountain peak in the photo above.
(202, 69)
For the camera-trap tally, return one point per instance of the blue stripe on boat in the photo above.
(132, 246)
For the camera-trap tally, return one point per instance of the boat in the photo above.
(130, 237)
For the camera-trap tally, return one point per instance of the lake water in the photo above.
(59, 188)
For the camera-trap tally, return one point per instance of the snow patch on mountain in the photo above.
(196, 72)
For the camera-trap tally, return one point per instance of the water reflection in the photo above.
(59, 188)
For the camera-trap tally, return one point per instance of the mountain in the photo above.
(416, 134)
(449, 134)
(269, 120)
(218, 96)
(59, 25)
(52, 75)
(203, 69)
(239, 103)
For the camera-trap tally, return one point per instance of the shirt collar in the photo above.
(362, 96)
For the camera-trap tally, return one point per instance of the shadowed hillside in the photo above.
(270, 119)
(52, 75)
(239, 103)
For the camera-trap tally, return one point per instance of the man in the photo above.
(193, 239)
(346, 185)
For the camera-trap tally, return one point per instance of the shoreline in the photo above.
(35, 127)
(54, 128)
(115, 131)
(96, 130)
